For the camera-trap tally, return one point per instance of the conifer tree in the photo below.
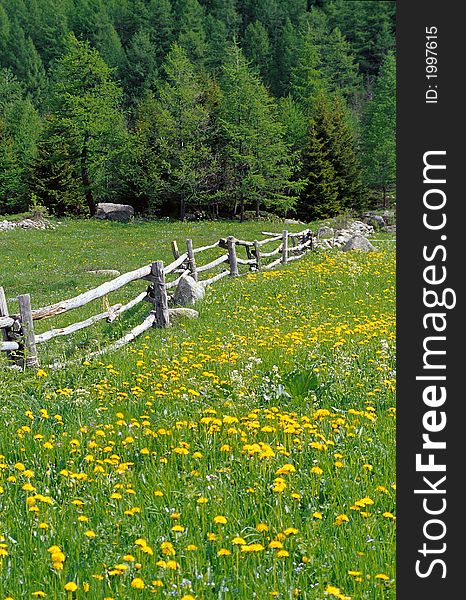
(20, 127)
(306, 77)
(175, 127)
(338, 65)
(256, 46)
(342, 153)
(23, 59)
(329, 163)
(217, 43)
(285, 57)
(160, 23)
(319, 199)
(379, 131)
(258, 162)
(85, 112)
(140, 72)
(192, 34)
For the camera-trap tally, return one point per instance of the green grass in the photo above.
(290, 367)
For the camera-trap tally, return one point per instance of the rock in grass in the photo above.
(114, 212)
(358, 242)
(182, 313)
(325, 232)
(188, 292)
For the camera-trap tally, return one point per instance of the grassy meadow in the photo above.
(248, 454)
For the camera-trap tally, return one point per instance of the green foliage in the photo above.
(329, 164)
(175, 128)
(379, 130)
(160, 22)
(20, 128)
(192, 35)
(338, 65)
(257, 48)
(140, 71)
(259, 165)
(369, 27)
(111, 147)
(306, 77)
(85, 123)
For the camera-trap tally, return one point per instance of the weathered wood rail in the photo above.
(19, 341)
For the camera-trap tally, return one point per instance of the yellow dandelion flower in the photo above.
(138, 584)
(341, 519)
(287, 468)
(90, 534)
(220, 520)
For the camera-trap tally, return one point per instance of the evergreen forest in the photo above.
(217, 108)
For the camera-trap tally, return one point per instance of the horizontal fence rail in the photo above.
(19, 340)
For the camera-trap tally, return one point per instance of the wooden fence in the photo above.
(20, 342)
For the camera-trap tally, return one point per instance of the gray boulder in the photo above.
(114, 212)
(358, 242)
(188, 292)
(182, 313)
(374, 220)
(325, 232)
(292, 222)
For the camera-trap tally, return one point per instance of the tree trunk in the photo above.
(241, 211)
(182, 207)
(258, 214)
(85, 181)
(384, 197)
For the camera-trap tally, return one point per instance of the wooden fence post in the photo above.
(27, 325)
(191, 259)
(284, 247)
(4, 313)
(232, 256)
(176, 252)
(258, 255)
(160, 295)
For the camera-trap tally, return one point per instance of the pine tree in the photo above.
(23, 59)
(140, 73)
(256, 46)
(175, 128)
(368, 25)
(55, 174)
(160, 24)
(46, 24)
(293, 122)
(319, 199)
(4, 32)
(339, 69)
(258, 162)
(226, 11)
(306, 77)
(85, 112)
(330, 163)
(217, 43)
(107, 41)
(20, 127)
(379, 131)
(342, 153)
(192, 36)
(285, 58)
